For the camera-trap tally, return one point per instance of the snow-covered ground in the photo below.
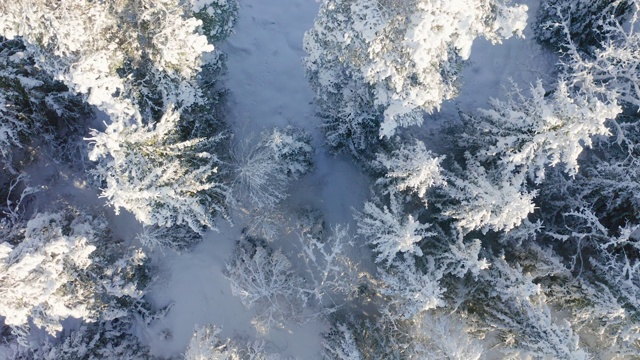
(268, 88)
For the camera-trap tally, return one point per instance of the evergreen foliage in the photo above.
(379, 65)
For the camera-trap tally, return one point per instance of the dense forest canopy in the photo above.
(510, 231)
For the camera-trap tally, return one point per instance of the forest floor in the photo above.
(268, 88)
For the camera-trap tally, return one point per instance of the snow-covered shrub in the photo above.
(63, 264)
(266, 225)
(329, 270)
(380, 64)
(206, 344)
(263, 171)
(164, 181)
(267, 284)
(259, 181)
(291, 148)
(390, 231)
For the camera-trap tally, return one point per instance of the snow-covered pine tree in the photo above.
(42, 272)
(378, 65)
(218, 17)
(340, 344)
(409, 289)
(483, 200)
(434, 335)
(442, 335)
(529, 134)
(609, 67)
(557, 142)
(363, 338)
(616, 281)
(603, 299)
(64, 264)
(594, 215)
(15, 122)
(144, 85)
(111, 339)
(88, 46)
(579, 20)
(513, 302)
(164, 181)
(606, 184)
(514, 143)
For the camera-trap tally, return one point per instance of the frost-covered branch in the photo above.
(329, 270)
(484, 203)
(412, 168)
(390, 230)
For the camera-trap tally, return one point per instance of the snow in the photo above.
(195, 284)
(265, 72)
